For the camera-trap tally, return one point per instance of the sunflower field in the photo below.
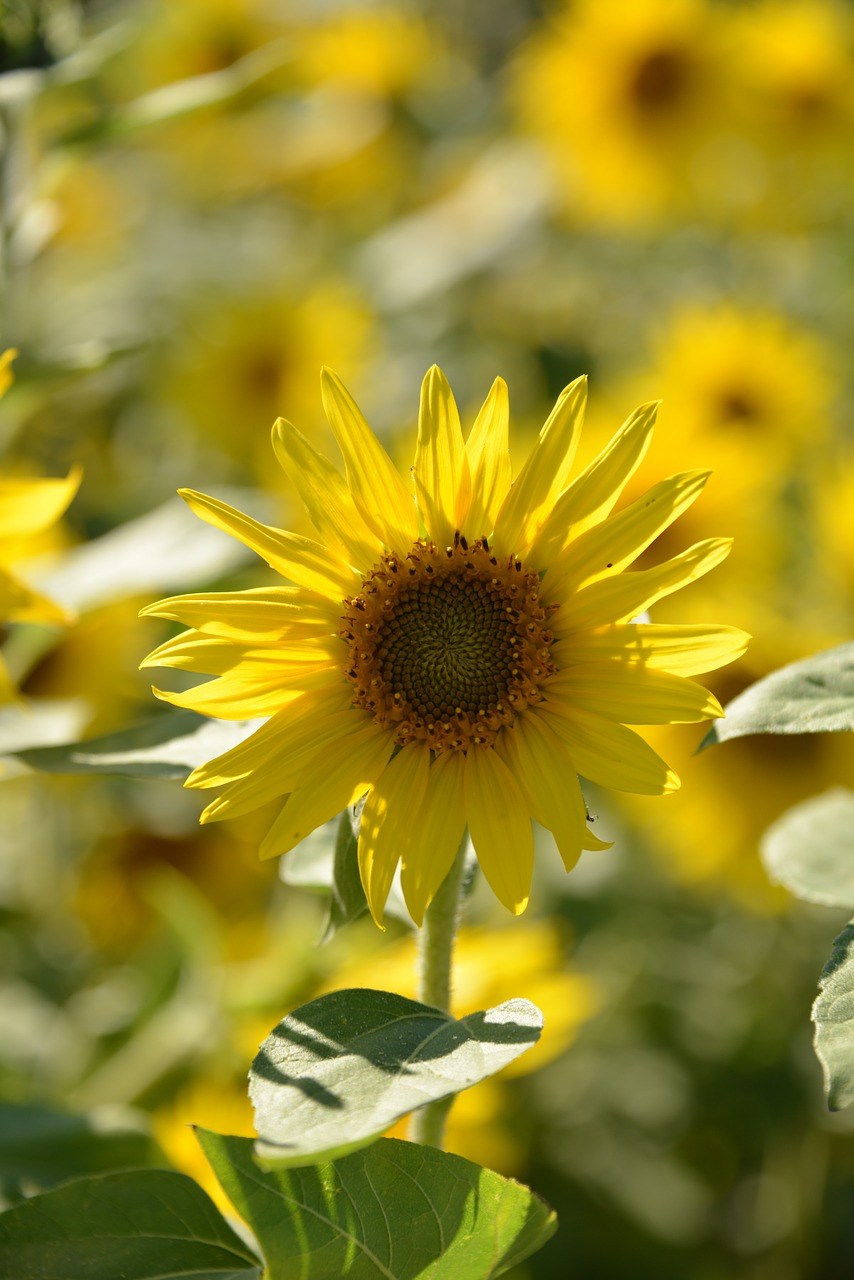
(471, 893)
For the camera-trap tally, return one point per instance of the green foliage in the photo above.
(338, 1072)
(167, 746)
(810, 849)
(815, 695)
(43, 1146)
(833, 1015)
(347, 901)
(140, 1225)
(396, 1211)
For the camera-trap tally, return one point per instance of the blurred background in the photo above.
(202, 201)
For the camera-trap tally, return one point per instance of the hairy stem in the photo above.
(435, 962)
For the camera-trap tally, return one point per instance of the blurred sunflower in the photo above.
(240, 363)
(457, 658)
(743, 381)
(753, 395)
(793, 61)
(27, 508)
(622, 92)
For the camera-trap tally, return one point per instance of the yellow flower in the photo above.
(743, 381)
(456, 656)
(27, 508)
(622, 94)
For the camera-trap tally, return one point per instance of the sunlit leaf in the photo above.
(812, 696)
(396, 1211)
(327, 862)
(163, 551)
(810, 849)
(149, 1224)
(169, 745)
(338, 1072)
(833, 1015)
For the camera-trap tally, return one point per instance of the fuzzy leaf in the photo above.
(812, 696)
(338, 1072)
(396, 1211)
(170, 745)
(810, 849)
(833, 1015)
(149, 1224)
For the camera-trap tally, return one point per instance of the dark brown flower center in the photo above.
(659, 81)
(448, 644)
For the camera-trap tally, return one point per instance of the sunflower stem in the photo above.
(435, 964)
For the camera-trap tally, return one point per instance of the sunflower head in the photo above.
(457, 652)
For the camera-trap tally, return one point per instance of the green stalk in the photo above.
(435, 964)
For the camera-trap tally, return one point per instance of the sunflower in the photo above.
(625, 96)
(28, 507)
(456, 656)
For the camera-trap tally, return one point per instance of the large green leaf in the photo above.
(164, 551)
(150, 1224)
(833, 1015)
(810, 849)
(43, 1146)
(169, 745)
(396, 1211)
(338, 1072)
(812, 696)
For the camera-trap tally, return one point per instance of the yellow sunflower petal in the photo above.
(386, 505)
(287, 731)
(302, 561)
(608, 547)
(594, 493)
(325, 496)
(282, 770)
(9, 692)
(29, 506)
(545, 473)
(437, 831)
(632, 694)
(20, 603)
(217, 655)
(6, 375)
(624, 597)
(233, 698)
(259, 613)
(607, 753)
(547, 775)
(488, 453)
(500, 827)
(684, 650)
(387, 822)
(345, 770)
(442, 478)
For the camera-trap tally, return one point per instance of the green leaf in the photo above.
(812, 696)
(810, 849)
(327, 861)
(168, 746)
(396, 1211)
(148, 1224)
(338, 1072)
(833, 1015)
(348, 901)
(166, 550)
(44, 1146)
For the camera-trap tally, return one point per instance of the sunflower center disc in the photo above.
(447, 644)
